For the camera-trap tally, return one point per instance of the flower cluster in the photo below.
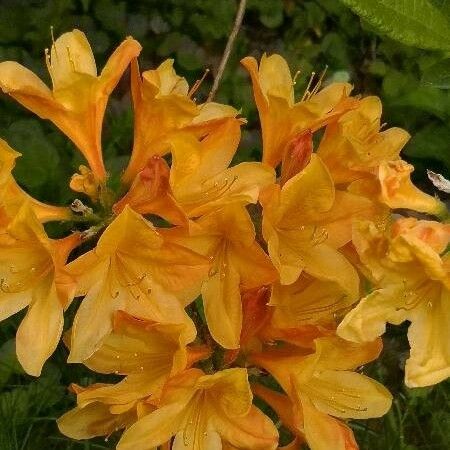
(205, 284)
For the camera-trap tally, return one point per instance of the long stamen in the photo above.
(212, 193)
(197, 84)
(307, 94)
(319, 82)
(53, 42)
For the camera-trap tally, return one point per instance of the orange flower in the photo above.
(323, 386)
(412, 282)
(281, 118)
(148, 353)
(202, 411)
(135, 269)
(77, 103)
(304, 223)
(353, 146)
(163, 106)
(32, 274)
(200, 178)
(367, 160)
(227, 237)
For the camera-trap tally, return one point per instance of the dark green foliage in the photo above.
(310, 34)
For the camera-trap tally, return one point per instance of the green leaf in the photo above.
(418, 23)
(438, 75)
(8, 361)
(431, 143)
(39, 157)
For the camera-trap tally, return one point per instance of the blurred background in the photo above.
(311, 35)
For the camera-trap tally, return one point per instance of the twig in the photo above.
(227, 51)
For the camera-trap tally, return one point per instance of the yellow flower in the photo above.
(97, 418)
(323, 386)
(304, 223)
(353, 146)
(367, 160)
(200, 178)
(238, 263)
(32, 274)
(202, 411)
(12, 197)
(132, 268)
(162, 106)
(325, 429)
(412, 282)
(148, 353)
(77, 103)
(281, 118)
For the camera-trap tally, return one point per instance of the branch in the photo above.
(228, 48)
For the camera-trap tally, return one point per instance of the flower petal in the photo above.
(368, 319)
(347, 394)
(429, 338)
(40, 331)
(321, 429)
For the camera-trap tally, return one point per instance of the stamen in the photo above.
(212, 193)
(53, 42)
(294, 80)
(307, 94)
(319, 83)
(197, 84)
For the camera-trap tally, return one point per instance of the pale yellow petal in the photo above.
(368, 319)
(40, 331)
(71, 55)
(347, 395)
(222, 302)
(275, 78)
(154, 429)
(429, 338)
(93, 420)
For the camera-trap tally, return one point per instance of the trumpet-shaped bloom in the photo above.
(412, 282)
(148, 353)
(97, 418)
(132, 268)
(304, 224)
(281, 118)
(32, 274)
(315, 428)
(77, 103)
(202, 411)
(353, 146)
(356, 151)
(238, 263)
(323, 386)
(200, 178)
(162, 106)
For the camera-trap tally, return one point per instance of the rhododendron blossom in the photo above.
(203, 285)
